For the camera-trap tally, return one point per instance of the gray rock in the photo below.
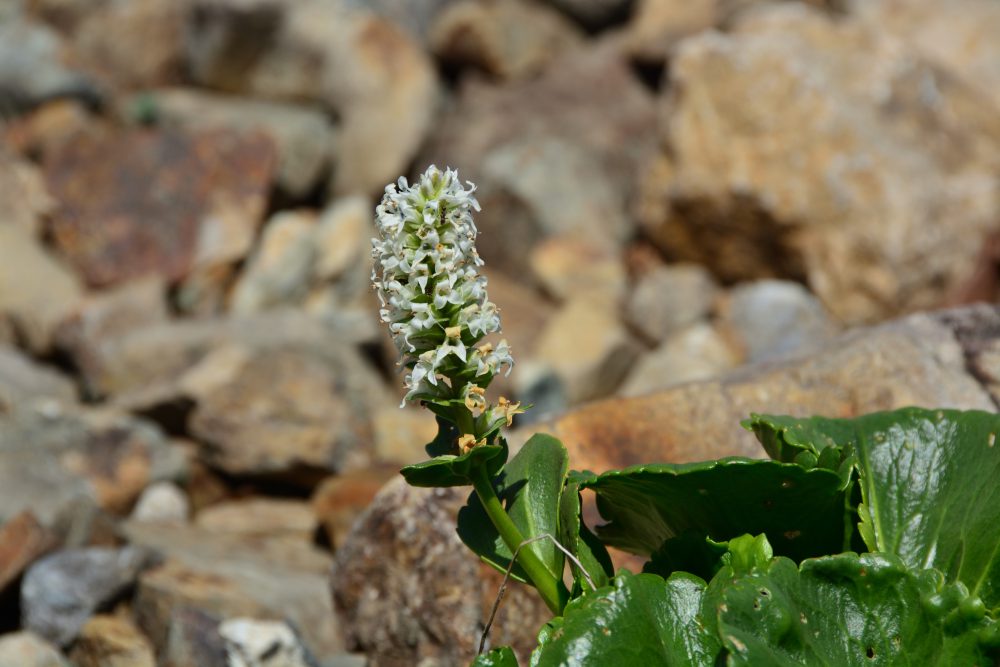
(695, 353)
(669, 299)
(26, 649)
(59, 462)
(31, 70)
(773, 318)
(304, 136)
(61, 591)
(22, 380)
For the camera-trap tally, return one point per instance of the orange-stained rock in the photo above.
(339, 500)
(22, 541)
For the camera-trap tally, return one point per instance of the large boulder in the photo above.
(799, 145)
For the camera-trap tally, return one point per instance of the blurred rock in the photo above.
(278, 272)
(23, 197)
(530, 144)
(416, 16)
(262, 518)
(104, 317)
(25, 649)
(856, 154)
(254, 643)
(959, 36)
(61, 592)
(582, 354)
(233, 575)
(111, 641)
(594, 14)
(409, 592)
(340, 499)
(657, 25)
(343, 239)
(58, 462)
(145, 369)
(147, 47)
(917, 360)
(282, 411)
(36, 290)
(369, 72)
(44, 130)
(162, 502)
(509, 39)
(193, 640)
(772, 318)
(401, 433)
(23, 381)
(697, 352)
(303, 136)
(568, 266)
(22, 541)
(157, 202)
(669, 299)
(32, 70)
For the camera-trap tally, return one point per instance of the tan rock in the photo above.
(840, 161)
(278, 272)
(657, 25)
(695, 353)
(371, 73)
(260, 518)
(508, 39)
(343, 237)
(36, 290)
(339, 500)
(162, 502)
(23, 197)
(26, 649)
(401, 433)
(582, 354)
(23, 381)
(669, 299)
(282, 410)
(112, 641)
(959, 36)
(568, 266)
(530, 144)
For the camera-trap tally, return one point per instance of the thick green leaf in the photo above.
(529, 487)
(801, 511)
(579, 541)
(847, 610)
(498, 657)
(640, 620)
(449, 469)
(929, 485)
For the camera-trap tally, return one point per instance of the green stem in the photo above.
(552, 590)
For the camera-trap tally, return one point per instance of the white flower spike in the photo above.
(426, 276)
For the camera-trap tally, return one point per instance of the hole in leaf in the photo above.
(870, 652)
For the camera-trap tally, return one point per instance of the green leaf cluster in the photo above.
(867, 541)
